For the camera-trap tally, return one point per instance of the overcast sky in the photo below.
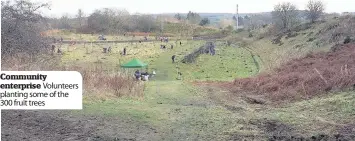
(59, 7)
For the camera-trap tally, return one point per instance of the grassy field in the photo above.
(230, 62)
(148, 52)
(178, 110)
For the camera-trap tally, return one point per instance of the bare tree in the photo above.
(255, 21)
(21, 27)
(285, 15)
(314, 10)
(65, 22)
(80, 17)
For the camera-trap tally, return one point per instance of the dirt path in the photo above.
(257, 64)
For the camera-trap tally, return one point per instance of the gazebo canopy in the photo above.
(134, 63)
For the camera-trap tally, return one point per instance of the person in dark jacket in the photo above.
(59, 51)
(173, 58)
(53, 48)
(137, 74)
(124, 51)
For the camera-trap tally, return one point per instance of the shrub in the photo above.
(291, 34)
(277, 40)
(311, 39)
(347, 40)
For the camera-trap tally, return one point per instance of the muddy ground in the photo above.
(60, 126)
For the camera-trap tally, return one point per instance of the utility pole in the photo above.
(237, 17)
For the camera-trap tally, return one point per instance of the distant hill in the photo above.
(214, 17)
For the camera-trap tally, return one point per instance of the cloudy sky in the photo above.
(59, 7)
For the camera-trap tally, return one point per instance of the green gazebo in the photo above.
(134, 63)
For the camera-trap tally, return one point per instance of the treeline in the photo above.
(192, 18)
(119, 21)
(285, 15)
(107, 21)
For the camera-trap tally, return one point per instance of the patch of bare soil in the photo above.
(277, 131)
(60, 126)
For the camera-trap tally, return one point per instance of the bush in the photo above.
(276, 40)
(21, 33)
(291, 34)
(311, 39)
(347, 40)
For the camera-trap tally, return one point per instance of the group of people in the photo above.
(164, 39)
(102, 37)
(107, 49)
(144, 75)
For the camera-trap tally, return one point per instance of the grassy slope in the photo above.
(176, 28)
(228, 63)
(192, 114)
(319, 115)
(274, 55)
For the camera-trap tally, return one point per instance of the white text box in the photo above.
(40, 90)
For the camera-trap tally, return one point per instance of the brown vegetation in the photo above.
(96, 81)
(115, 84)
(303, 78)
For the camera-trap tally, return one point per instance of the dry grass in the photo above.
(304, 78)
(111, 84)
(98, 83)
